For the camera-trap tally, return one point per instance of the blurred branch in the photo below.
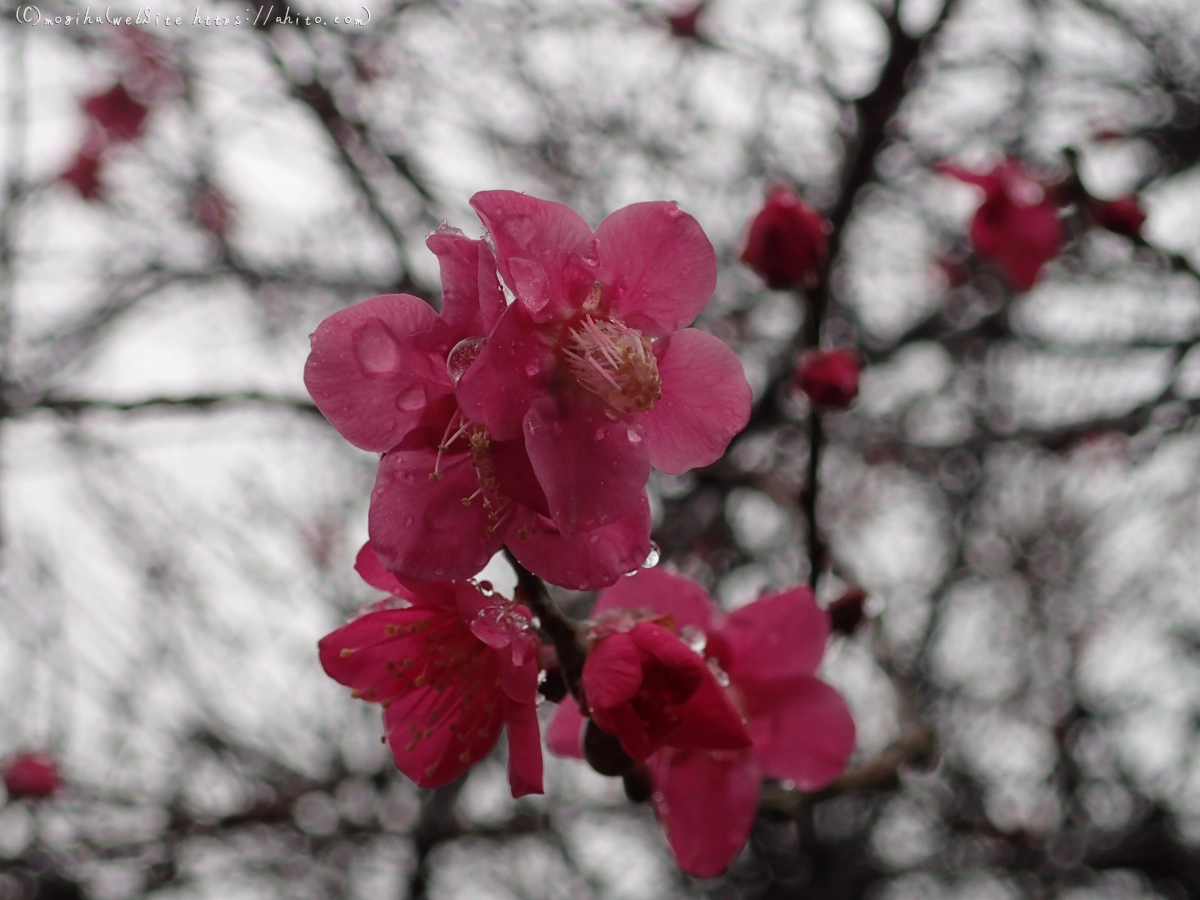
(76, 406)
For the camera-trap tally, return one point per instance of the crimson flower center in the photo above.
(615, 362)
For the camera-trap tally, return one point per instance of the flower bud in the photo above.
(787, 243)
(829, 377)
(1123, 216)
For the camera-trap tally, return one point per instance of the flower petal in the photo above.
(663, 592)
(802, 731)
(776, 637)
(524, 750)
(509, 372)
(420, 528)
(371, 570)
(564, 737)
(376, 369)
(591, 470)
(586, 560)
(612, 672)
(544, 251)
(436, 754)
(707, 804)
(659, 268)
(705, 402)
(471, 297)
(709, 720)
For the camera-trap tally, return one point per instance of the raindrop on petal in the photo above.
(461, 357)
(653, 558)
(412, 399)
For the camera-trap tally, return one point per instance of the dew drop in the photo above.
(533, 368)
(497, 626)
(632, 572)
(636, 433)
(718, 672)
(411, 400)
(694, 637)
(652, 560)
(408, 520)
(461, 357)
(375, 349)
(485, 588)
(601, 433)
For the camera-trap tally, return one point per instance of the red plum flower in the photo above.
(787, 242)
(829, 377)
(648, 689)
(451, 666)
(1123, 215)
(801, 729)
(1017, 226)
(592, 366)
(32, 775)
(449, 492)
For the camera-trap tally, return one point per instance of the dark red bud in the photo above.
(639, 787)
(1124, 216)
(829, 377)
(787, 241)
(553, 687)
(604, 752)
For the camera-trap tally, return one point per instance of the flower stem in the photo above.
(565, 633)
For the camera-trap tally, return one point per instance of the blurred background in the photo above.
(1017, 488)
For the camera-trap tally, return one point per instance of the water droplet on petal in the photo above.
(485, 588)
(718, 672)
(601, 433)
(694, 637)
(375, 349)
(653, 558)
(408, 520)
(631, 573)
(412, 399)
(533, 368)
(461, 357)
(636, 433)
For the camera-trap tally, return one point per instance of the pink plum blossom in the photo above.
(1017, 226)
(450, 492)
(592, 366)
(451, 665)
(801, 729)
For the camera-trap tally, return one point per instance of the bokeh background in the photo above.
(1017, 488)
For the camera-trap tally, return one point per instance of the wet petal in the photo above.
(590, 468)
(524, 750)
(421, 528)
(802, 731)
(664, 592)
(545, 252)
(586, 560)
(659, 267)
(377, 368)
(509, 372)
(612, 673)
(707, 804)
(564, 737)
(471, 297)
(778, 636)
(705, 402)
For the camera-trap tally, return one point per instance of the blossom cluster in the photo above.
(527, 415)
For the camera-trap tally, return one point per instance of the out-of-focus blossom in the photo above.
(449, 492)
(1017, 226)
(591, 368)
(768, 652)
(31, 775)
(84, 174)
(683, 23)
(148, 69)
(647, 688)
(212, 209)
(1123, 215)
(117, 115)
(451, 665)
(829, 377)
(787, 242)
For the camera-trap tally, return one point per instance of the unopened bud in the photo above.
(604, 752)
